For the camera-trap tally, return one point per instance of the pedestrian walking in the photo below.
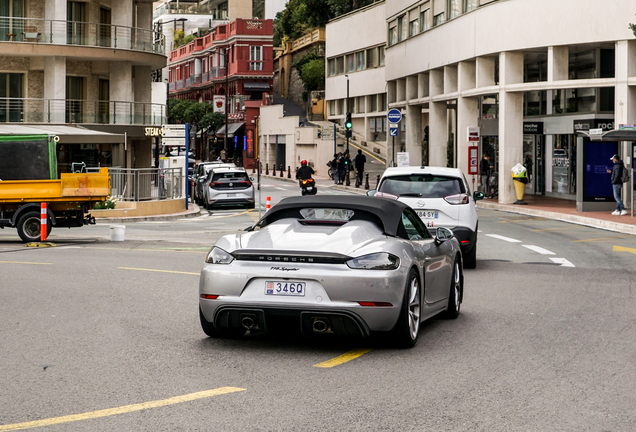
(485, 168)
(358, 163)
(341, 168)
(617, 184)
(334, 168)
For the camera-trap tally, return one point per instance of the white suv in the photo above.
(440, 197)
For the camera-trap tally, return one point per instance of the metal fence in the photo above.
(144, 184)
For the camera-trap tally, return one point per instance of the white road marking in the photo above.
(563, 262)
(508, 239)
(539, 250)
(281, 188)
(479, 231)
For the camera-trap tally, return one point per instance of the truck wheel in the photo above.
(29, 227)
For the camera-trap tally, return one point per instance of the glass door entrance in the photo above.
(534, 161)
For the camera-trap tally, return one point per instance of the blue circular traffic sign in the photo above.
(394, 116)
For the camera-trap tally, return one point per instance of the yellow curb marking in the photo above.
(623, 249)
(556, 229)
(45, 244)
(351, 355)
(160, 271)
(523, 220)
(367, 152)
(232, 215)
(24, 262)
(602, 239)
(120, 410)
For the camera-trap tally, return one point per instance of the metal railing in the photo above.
(145, 184)
(60, 32)
(214, 72)
(31, 110)
(190, 8)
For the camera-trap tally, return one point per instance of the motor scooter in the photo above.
(308, 187)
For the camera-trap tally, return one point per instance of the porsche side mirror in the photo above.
(443, 234)
(478, 195)
(371, 192)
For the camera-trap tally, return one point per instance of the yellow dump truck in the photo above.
(69, 198)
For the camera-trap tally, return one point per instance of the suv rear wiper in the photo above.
(411, 194)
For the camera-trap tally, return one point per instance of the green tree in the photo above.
(177, 109)
(313, 74)
(212, 122)
(632, 27)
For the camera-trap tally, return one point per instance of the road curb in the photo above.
(194, 212)
(574, 219)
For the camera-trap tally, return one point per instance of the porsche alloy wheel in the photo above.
(408, 326)
(455, 294)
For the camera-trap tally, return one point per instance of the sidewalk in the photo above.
(193, 211)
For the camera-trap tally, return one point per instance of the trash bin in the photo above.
(520, 180)
(117, 232)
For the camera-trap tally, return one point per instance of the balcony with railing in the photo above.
(191, 8)
(57, 32)
(30, 110)
(200, 79)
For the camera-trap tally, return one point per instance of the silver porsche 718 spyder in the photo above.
(349, 265)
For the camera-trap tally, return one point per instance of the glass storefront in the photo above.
(564, 164)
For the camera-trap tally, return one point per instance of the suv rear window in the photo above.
(422, 185)
(240, 176)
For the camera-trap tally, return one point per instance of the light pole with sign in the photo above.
(394, 117)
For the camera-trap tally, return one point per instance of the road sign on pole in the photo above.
(394, 116)
(393, 131)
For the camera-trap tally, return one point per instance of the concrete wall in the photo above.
(142, 208)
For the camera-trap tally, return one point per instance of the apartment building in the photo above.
(533, 75)
(235, 63)
(68, 68)
(355, 53)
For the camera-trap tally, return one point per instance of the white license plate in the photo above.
(309, 188)
(428, 214)
(285, 288)
(231, 195)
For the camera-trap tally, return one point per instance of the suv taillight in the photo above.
(457, 199)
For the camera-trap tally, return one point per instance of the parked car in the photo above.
(441, 198)
(201, 171)
(228, 186)
(347, 265)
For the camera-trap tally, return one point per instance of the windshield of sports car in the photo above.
(422, 185)
(326, 214)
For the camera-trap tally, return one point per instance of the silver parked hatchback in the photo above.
(228, 187)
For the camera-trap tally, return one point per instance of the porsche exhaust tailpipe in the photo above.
(247, 322)
(320, 325)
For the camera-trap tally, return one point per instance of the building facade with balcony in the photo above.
(532, 75)
(66, 64)
(235, 63)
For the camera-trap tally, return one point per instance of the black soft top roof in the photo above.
(387, 212)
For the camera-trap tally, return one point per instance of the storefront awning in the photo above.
(613, 135)
(66, 134)
(256, 86)
(232, 128)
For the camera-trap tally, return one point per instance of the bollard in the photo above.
(269, 204)
(347, 181)
(288, 171)
(266, 169)
(357, 184)
(366, 182)
(43, 227)
(377, 183)
(274, 170)
(253, 168)
(282, 170)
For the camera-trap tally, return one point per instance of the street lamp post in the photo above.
(347, 105)
(227, 101)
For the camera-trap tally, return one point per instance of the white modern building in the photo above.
(534, 75)
(68, 64)
(355, 54)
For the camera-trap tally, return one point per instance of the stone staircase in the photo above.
(357, 141)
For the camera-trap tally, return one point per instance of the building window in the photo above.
(331, 66)
(470, 5)
(75, 99)
(256, 58)
(425, 17)
(403, 27)
(350, 63)
(372, 58)
(534, 103)
(360, 104)
(393, 33)
(372, 103)
(414, 27)
(438, 19)
(583, 65)
(381, 55)
(382, 102)
(332, 108)
(340, 65)
(341, 109)
(11, 87)
(535, 67)
(360, 63)
(453, 7)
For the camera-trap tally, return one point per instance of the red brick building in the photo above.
(235, 59)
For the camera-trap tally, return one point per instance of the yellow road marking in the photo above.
(523, 220)
(351, 355)
(367, 152)
(120, 410)
(160, 271)
(602, 239)
(556, 229)
(24, 262)
(233, 215)
(624, 249)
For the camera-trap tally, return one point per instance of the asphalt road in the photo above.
(544, 342)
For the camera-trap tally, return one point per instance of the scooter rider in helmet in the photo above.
(304, 172)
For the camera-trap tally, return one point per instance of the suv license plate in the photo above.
(428, 214)
(231, 195)
(285, 288)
